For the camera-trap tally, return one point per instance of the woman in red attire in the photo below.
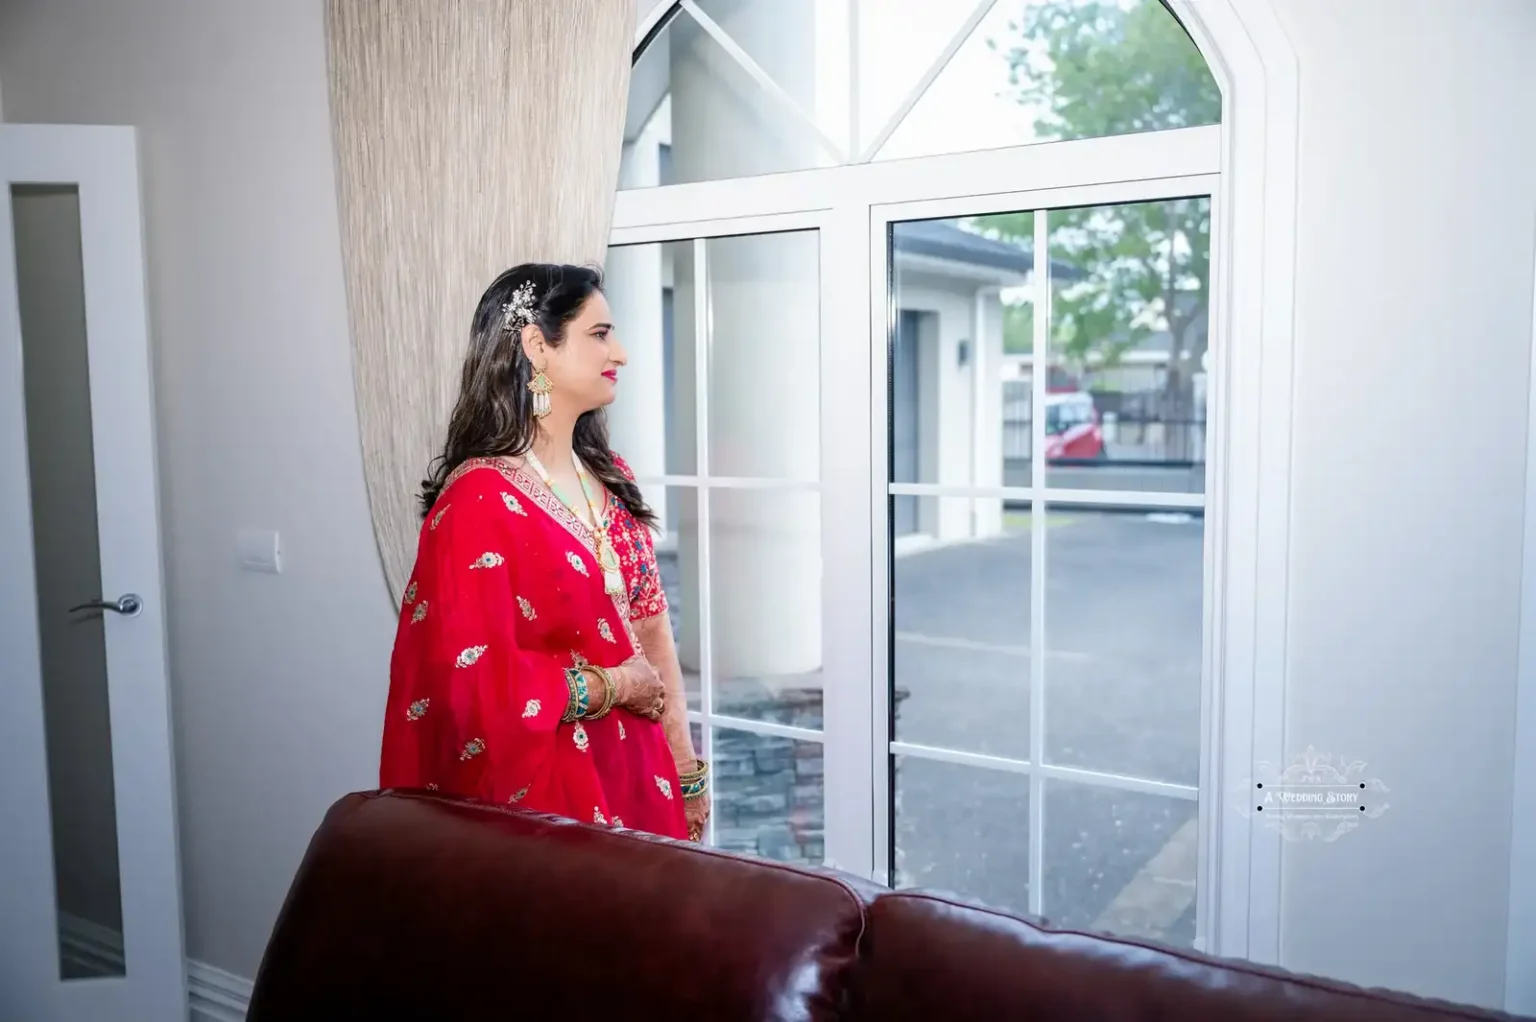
(534, 663)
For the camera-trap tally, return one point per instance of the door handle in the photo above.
(128, 605)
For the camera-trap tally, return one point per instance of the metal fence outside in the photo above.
(1138, 429)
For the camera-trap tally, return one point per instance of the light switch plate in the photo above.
(260, 551)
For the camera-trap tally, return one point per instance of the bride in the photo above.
(534, 663)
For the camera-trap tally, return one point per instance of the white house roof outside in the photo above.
(944, 239)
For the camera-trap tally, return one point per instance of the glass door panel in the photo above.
(1046, 570)
(77, 730)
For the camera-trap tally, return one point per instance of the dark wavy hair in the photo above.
(494, 414)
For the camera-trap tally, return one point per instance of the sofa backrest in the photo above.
(928, 957)
(414, 907)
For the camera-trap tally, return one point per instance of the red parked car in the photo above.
(1072, 430)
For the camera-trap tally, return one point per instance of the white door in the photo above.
(90, 897)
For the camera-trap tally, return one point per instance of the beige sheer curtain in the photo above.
(471, 135)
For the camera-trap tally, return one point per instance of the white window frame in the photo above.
(1248, 494)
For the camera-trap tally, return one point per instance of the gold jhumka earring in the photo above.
(540, 388)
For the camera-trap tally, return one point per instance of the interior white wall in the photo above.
(278, 681)
(1413, 332)
(1416, 202)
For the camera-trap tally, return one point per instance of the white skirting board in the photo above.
(93, 950)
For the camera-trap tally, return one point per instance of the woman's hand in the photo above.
(639, 689)
(696, 812)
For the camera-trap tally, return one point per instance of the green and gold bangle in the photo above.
(609, 692)
(580, 701)
(694, 782)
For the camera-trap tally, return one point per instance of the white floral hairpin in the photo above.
(519, 311)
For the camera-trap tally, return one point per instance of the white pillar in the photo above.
(764, 332)
(637, 420)
(987, 410)
(684, 347)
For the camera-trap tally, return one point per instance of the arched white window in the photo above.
(830, 83)
(934, 508)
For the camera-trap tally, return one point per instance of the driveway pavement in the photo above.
(1122, 695)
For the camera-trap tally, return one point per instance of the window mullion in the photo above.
(850, 695)
(701, 327)
(763, 79)
(1040, 367)
(934, 70)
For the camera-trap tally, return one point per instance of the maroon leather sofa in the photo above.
(411, 906)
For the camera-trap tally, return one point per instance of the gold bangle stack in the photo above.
(695, 782)
(610, 691)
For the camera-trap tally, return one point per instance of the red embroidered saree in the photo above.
(506, 595)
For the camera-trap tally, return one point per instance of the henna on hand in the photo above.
(696, 811)
(640, 690)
